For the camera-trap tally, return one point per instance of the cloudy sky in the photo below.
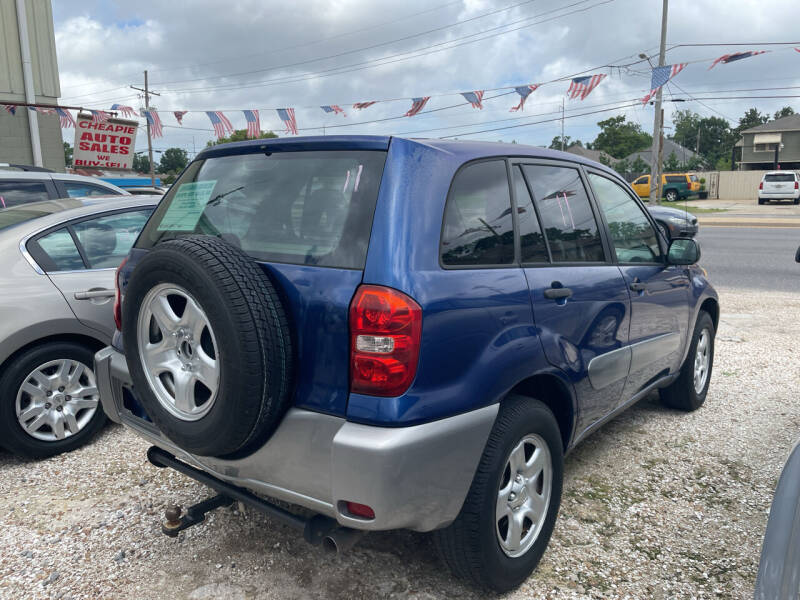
(243, 54)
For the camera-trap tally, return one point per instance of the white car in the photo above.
(21, 184)
(779, 185)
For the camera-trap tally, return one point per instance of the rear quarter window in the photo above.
(676, 178)
(305, 208)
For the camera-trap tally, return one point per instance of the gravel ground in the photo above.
(657, 504)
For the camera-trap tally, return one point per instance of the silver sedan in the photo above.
(57, 265)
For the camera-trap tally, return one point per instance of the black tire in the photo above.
(12, 436)
(681, 394)
(253, 344)
(664, 231)
(761, 201)
(470, 545)
(671, 195)
(796, 201)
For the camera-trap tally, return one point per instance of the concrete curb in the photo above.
(747, 222)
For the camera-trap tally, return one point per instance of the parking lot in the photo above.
(657, 504)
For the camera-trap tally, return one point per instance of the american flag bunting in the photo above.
(333, 108)
(253, 123)
(661, 75)
(580, 87)
(127, 111)
(729, 58)
(99, 116)
(11, 108)
(417, 104)
(524, 91)
(362, 105)
(154, 121)
(65, 117)
(474, 98)
(287, 116)
(220, 122)
(179, 115)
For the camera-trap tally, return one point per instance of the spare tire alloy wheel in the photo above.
(57, 400)
(208, 345)
(178, 351)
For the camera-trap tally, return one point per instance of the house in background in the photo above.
(684, 155)
(595, 155)
(758, 145)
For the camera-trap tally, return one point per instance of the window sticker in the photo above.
(187, 206)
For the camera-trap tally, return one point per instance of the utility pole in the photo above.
(147, 94)
(658, 121)
(660, 157)
(562, 124)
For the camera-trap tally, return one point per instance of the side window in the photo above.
(107, 240)
(15, 193)
(567, 217)
(56, 251)
(478, 228)
(676, 178)
(642, 180)
(632, 235)
(79, 190)
(531, 240)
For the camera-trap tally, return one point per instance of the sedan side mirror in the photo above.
(683, 251)
(797, 255)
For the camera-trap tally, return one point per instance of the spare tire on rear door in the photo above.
(208, 346)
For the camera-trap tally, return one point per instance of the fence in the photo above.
(733, 185)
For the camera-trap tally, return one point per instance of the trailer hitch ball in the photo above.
(172, 517)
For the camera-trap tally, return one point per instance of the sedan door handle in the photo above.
(557, 293)
(638, 286)
(89, 294)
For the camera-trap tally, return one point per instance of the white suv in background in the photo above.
(21, 184)
(779, 185)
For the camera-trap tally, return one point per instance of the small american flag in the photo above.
(220, 122)
(99, 116)
(11, 108)
(253, 123)
(127, 111)
(580, 87)
(42, 110)
(729, 58)
(65, 117)
(474, 98)
(661, 75)
(361, 105)
(179, 115)
(797, 49)
(333, 108)
(417, 104)
(287, 116)
(155, 123)
(524, 91)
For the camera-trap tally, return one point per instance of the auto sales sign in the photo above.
(106, 145)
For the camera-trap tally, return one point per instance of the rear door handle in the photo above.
(89, 294)
(638, 286)
(557, 293)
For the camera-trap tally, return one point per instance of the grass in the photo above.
(696, 210)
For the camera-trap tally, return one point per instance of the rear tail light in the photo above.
(761, 185)
(118, 297)
(796, 185)
(385, 331)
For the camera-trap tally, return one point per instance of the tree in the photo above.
(638, 167)
(623, 166)
(672, 163)
(715, 135)
(752, 118)
(723, 164)
(68, 154)
(141, 163)
(173, 160)
(556, 143)
(619, 139)
(240, 135)
(786, 111)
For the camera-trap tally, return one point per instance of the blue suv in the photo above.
(397, 333)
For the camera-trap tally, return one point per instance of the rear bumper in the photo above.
(412, 477)
(788, 195)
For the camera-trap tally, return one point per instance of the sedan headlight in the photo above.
(678, 220)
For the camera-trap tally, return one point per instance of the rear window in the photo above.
(675, 178)
(305, 208)
(693, 178)
(783, 177)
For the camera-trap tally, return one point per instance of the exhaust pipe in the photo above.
(341, 540)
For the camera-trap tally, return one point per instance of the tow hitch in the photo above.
(316, 529)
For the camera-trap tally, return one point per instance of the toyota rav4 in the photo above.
(397, 333)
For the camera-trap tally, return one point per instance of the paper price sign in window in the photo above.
(187, 206)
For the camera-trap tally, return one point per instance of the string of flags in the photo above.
(579, 89)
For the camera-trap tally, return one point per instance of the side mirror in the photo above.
(797, 255)
(683, 251)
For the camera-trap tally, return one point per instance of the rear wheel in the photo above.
(671, 195)
(688, 391)
(761, 201)
(508, 516)
(49, 402)
(796, 201)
